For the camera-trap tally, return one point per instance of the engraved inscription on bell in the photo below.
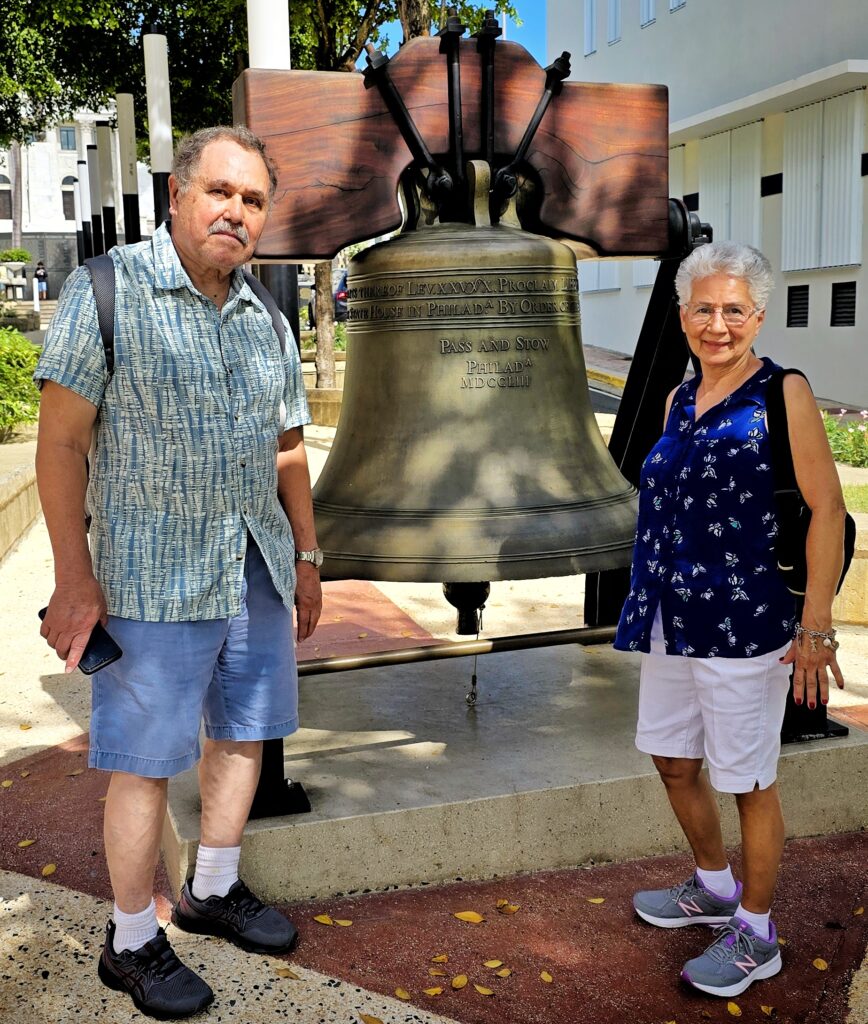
(467, 448)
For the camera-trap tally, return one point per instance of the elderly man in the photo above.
(202, 537)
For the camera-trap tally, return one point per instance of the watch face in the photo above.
(315, 557)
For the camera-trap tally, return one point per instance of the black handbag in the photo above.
(793, 515)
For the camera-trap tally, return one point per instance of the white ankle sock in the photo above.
(721, 883)
(216, 870)
(759, 922)
(132, 931)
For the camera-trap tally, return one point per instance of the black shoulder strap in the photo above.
(268, 300)
(102, 277)
(776, 411)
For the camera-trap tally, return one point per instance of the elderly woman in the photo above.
(713, 618)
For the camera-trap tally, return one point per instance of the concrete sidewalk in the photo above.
(575, 923)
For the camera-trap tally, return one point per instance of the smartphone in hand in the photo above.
(101, 649)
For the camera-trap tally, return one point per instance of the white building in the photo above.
(767, 109)
(49, 169)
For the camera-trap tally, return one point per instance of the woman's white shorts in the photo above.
(727, 710)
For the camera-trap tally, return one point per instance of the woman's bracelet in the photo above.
(815, 634)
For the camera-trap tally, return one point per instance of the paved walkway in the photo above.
(576, 925)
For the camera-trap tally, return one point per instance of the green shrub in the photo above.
(19, 396)
(848, 439)
(15, 256)
(340, 337)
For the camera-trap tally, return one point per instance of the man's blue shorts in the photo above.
(238, 674)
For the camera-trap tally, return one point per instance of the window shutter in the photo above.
(841, 204)
(803, 139)
(797, 305)
(714, 183)
(844, 304)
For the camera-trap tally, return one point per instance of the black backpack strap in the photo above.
(776, 412)
(268, 300)
(102, 279)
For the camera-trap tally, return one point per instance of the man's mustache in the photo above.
(224, 227)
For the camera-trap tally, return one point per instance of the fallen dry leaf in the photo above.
(72, 775)
(459, 981)
(285, 972)
(733, 1009)
(482, 990)
(470, 916)
(820, 964)
(501, 903)
(596, 899)
(323, 919)
(26, 842)
(781, 941)
(769, 1011)
(6, 783)
(24, 774)
(437, 972)
(343, 922)
(406, 632)
(858, 911)
(49, 869)
(367, 1018)
(25, 726)
(505, 973)
(509, 908)
(441, 958)
(546, 977)
(101, 799)
(705, 1015)
(433, 991)
(493, 963)
(362, 636)
(402, 993)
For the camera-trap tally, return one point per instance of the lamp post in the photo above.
(159, 117)
(79, 228)
(95, 201)
(268, 47)
(128, 167)
(82, 189)
(104, 147)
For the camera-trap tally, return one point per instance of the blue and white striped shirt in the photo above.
(187, 433)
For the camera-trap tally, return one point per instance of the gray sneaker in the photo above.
(736, 959)
(688, 903)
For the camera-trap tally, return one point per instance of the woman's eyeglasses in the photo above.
(734, 315)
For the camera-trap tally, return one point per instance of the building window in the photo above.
(647, 12)
(614, 33)
(797, 305)
(599, 276)
(676, 5)
(590, 27)
(5, 198)
(68, 197)
(730, 174)
(644, 273)
(822, 175)
(67, 138)
(844, 304)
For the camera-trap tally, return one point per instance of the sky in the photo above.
(531, 34)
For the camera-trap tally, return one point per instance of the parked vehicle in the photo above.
(339, 288)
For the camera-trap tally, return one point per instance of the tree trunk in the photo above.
(17, 204)
(325, 326)
(415, 18)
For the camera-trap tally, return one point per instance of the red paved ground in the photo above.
(607, 967)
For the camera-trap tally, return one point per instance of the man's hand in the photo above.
(308, 598)
(73, 611)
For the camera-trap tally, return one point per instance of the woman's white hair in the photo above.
(734, 259)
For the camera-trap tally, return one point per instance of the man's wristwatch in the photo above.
(314, 557)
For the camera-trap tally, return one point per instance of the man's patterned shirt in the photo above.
(186, 435)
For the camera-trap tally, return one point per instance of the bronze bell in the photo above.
(467, 448)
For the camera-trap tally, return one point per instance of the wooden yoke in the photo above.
(599, 161)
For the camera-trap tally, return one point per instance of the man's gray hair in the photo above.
(734, 259)
(189, 153)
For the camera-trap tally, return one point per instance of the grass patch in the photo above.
(856, 497)
(848, 438)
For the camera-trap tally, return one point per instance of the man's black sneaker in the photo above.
(238, 916)
(159, 984)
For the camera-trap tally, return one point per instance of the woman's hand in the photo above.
(812, 662)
